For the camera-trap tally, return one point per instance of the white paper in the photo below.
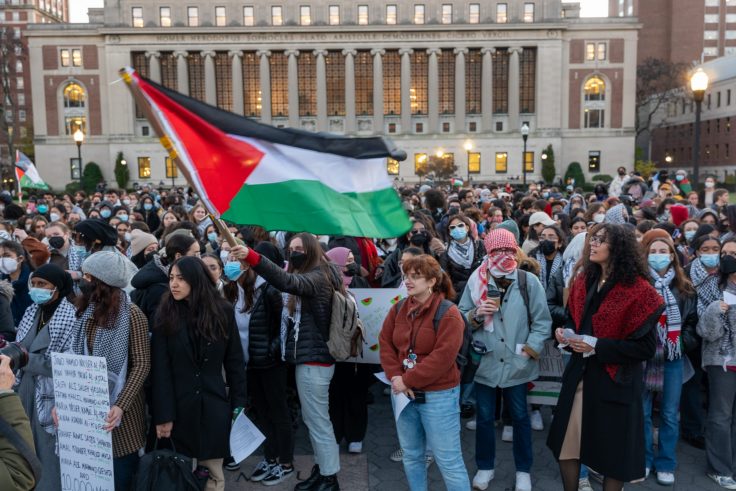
(398, 401)
(729, 298)
(245, 438)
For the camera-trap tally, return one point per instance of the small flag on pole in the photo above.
(282, 179)
(26, 173)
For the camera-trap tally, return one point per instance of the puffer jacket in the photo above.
(264, 329)
(555, 299)
(150, 284)
(712, 329)
(308, 343)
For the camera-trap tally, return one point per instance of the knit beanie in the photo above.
(511, 226)
(139, 240)
(499, 238)
(112, 268)
(679, 214)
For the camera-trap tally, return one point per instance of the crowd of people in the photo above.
(635, 282)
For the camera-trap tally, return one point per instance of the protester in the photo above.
(613, 311)
(15, 268)
(195, 340)
(463, 254)
(419, 360)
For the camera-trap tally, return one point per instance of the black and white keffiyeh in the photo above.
(706, 285)
(462, 254)
(295, 318)
(556, 265)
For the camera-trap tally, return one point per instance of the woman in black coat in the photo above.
(194, 341)
(613, 310)
(463, 254)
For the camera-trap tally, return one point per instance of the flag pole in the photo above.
(15, 171)
(166, 142)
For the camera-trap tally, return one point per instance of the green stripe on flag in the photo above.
(310, 206)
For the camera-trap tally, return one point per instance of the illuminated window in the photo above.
(502, 13)
(391, 83)
(590, 52)
(334, 15)
(594, 103)
(392, 167)
(446, 87)
(172, 171)
(192, 16)
(529, 161)
(305, 15)
(335, 74)
(502, 162)
(220, 17)
(419, 14)
(144, 167)
(473, 75)
(363, 15)
(446, 13)
(420, 163)
(528, 12)
(195, 73)
(594, 161)
(74, 97)
(137, 16)
(280, 83)
(474, 13)
(276, 16)
(364, 83)
(164, 16)
(248, 16)
(419, 88)
(391, 14)
(307, 68)
(223, 81)
(76, 57)
(65, 56)
(500, 81)
(473, 162)
(251, 85)
(602, 51)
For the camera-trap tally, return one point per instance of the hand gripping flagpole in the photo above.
(145, 107)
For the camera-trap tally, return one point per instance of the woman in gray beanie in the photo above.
(109, 325)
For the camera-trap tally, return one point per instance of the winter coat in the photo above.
(555, 299)
(21, 300)
(150, 284)
(264, 328)
(7, 325)
(712, 329)
(458, 274)
(309, 343)
(688, 305)
(192, 394)
(15, 471)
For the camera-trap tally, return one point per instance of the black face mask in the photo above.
(621, 173)
(419, 239)
(728, 264)
(351, 269)
(56, 242)
(86, 287)
(297, 259)
(547, 247)
(149, 257)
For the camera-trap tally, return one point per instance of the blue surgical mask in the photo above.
(43, 208)
(212, 236)
(458, 233)
(105, 213)
(232, 270)
(123, 218)
(40, 295)
(710, 260)
(689, 235)
(658, 262)
(147, 206)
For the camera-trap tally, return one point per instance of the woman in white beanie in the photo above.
(111, 326)
(142, 245)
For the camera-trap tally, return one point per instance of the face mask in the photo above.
(502, 264)
(622, 173)
(8, 265)
(297, 259)
(224, 255)
(105, 213)
(599, 218)
(547, 247)
(86, 287)
(4, 235)
(126, 202)
(545, 195)
(56, 242)
(710, 260)
(40, 296)
(43, 209)
(148, 206)
(689, 235)
(709, 184)
(659, 262)
(728, 265)
(232, 270)
(459, 233)
(123, 218)
(127, 236)
(212, 236)
(55, 217)
(679, 178)
(351, 269)
(419, 239)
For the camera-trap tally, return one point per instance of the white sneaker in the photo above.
(397, 455)
(665, 478)
(584, 485)
(723, 481)
(472, 425)
(523, 481)
(482, 479)
(355, 447)
(508, 434)
(537, 422)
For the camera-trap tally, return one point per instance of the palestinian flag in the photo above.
(281, 179)
(26, 173)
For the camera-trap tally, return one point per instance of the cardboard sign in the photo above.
(373, 307)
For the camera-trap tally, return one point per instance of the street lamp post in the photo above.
(698, 84)
(524, 136)
(79, 139)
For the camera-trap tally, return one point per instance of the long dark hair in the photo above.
(106, 299)
(247, 281)
(204, 308)
(626, 265)
(723, 277)
(315, 259)
(177, 243)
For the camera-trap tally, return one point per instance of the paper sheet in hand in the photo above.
(245, 438)
(398, 401)
(729, 298)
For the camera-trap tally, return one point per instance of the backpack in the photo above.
(524, 293)
(166, 470)
(346, 329)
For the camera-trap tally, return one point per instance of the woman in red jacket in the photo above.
(420, 362)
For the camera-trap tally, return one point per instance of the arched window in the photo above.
(594, 102)
(75, 108)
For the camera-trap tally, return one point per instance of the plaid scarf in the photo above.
(668, 328)
(706, 285)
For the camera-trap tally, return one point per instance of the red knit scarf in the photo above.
(622, 312)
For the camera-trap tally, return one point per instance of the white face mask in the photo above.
(8, 265)
(599, 218)
(55, 217)
(709, 184)
(224, 255)
(4, 235)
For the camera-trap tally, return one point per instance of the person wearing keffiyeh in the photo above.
(675, 335)
(463, 254)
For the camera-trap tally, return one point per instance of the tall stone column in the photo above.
(460, 89)
(293, 74)
(321, 89)
(514, 89)
(182, 75)
(154, 65)
(349, 55)
(236, 67)
(378, 89)
(406, 89)
(433, 90)
(210, 86)
(486, 95)
(265, 72)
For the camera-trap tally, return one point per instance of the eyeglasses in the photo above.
(414, 232)
(459, 225)
(412, 277)
(598, 240)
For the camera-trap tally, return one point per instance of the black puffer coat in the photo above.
(150, 284)
(309, 343)
(264, 348)
(555, 299)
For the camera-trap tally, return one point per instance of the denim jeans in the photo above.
(313, 384)
(720, 426)
(485, 434)
(124, 469)
(436, 422)
(669, 428)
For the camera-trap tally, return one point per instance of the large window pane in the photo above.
(528, 88)
(195, 71)
(473, 162)
(251, 85)
(418, 90)
(169, 77)
(447, 82)
(307, 67)
(420, 163)
(144, 167)
(335, 72)
(364, 83)
(501, 81)
(279, 84)
(502, 162)
(473, 76)
(391, 83)
(223, 81)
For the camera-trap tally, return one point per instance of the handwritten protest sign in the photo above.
(82, 402)
(546, 389)
(373, 307)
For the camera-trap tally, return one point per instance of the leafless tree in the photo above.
(658, 84)
(11, 51)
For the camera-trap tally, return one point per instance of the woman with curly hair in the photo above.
(613, 311)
